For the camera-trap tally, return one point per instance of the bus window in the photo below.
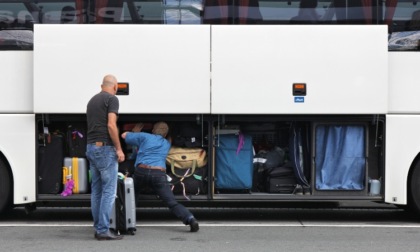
(182, 12)
(17, 17)
(163, 12)
(397, 14)
(414, 24)
(403, 20)
(56, 12)
(16, 24)
(237, 12)
(68, 15)
(402, 16)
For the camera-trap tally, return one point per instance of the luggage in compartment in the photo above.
(190, 184)
(50, 168)
(186, 159)
(234, 164)
(281, 180)
(76, 169)
(188, 135)
(264, 161)
(188, 170)
(76, 140)
(123, 215)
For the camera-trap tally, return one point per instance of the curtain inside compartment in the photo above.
(340, 159)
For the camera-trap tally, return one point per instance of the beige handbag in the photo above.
(186, 158)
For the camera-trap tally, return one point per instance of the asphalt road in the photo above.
(348, 228)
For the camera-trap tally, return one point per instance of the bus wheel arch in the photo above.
(413, 186)
(6, 185)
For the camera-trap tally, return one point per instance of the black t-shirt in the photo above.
(97, 116)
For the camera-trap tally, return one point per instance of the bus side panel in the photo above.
(17, 143)
(344, 69)
(167, 67)
(16, 82)
(404, 82)
(402, 146)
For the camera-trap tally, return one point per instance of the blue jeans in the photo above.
(157, 180)
(104, 168)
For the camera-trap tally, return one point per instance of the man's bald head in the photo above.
(109, 80)
(110, 84)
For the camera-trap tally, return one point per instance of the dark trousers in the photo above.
(157, 181)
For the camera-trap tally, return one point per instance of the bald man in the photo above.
(103, 152)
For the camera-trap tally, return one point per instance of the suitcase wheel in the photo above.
(132, 231)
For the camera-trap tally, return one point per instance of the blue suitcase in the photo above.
(234, 162)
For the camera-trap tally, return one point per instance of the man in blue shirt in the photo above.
(150, 169)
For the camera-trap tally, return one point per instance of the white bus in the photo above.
(331, 87)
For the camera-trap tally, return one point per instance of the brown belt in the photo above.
(102, 144)
(152, 167)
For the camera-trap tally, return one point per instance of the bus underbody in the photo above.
(267, 133)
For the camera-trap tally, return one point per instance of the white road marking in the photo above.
(224, 225)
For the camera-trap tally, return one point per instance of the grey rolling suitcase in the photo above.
(123, 216)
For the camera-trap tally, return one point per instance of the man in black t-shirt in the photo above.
(103, 152)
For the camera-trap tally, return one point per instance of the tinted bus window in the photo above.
(16, 24)
(17, 17)
(404, 25)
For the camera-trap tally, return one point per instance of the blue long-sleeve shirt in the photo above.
(152, 149)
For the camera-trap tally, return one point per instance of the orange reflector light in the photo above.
(299, 89)
(299, 86)
(123, 88)
(123, 85)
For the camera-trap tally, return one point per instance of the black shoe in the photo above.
(108, 236)
(194, 225)
(96, 235)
